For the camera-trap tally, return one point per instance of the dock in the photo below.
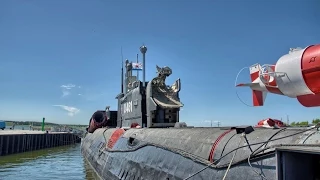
(18, 141)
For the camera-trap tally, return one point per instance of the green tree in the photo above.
(304, 123)
(316, 121)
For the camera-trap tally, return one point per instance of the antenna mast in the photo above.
(143, 50)
(121, 71)
(137, 63)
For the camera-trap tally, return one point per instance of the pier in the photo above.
(18, 141)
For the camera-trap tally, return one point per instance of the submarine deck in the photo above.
(182, 153)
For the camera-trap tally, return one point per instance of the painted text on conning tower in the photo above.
(127, 107)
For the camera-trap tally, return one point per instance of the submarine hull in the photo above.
(179, 153)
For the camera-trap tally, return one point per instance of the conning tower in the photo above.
(151, 103)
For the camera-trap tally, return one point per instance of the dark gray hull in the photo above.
(178, 153)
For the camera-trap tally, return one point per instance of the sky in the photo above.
(61, 59)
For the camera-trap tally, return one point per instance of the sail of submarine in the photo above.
(144, 138)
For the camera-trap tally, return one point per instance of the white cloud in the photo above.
(65, 93)
(71, 110)
(66, 89)
(72, 89)
(68, 86)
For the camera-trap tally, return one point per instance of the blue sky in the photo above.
(67, 53)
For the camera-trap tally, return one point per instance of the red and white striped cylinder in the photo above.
(301, 70)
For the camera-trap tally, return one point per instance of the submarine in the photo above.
(145, 140)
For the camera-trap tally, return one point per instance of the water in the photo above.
(65, 163)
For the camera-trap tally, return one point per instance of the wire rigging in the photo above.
(234, 154)
(224, 147)
(255, 152)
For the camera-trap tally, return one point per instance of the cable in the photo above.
(159, 146)
(273, 136)
(105, 140)
(260, 174)
(152, 144)
(234, 154)
(247, 141)
(247, 146)
(245, 137)
(264, 144)
(308, 136)
(274, 146)
(224, 147)
(280, 145)
(270, 140)
(203, 159)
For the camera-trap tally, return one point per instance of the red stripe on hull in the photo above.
(114, 137)
(215, 144)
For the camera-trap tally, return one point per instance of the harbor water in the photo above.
(65, 163)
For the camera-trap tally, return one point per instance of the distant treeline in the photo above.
(305, 123)
(37, 123)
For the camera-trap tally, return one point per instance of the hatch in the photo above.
(298, 163)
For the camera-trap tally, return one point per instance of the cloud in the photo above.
(68, 86)
(86, 94)
(66, 89)
(71, 110)
(65, 93)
